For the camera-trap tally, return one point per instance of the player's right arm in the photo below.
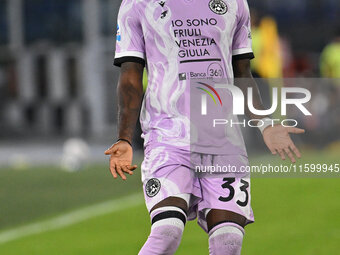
(130, 95)
(130, 57)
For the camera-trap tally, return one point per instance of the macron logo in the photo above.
(118, 36)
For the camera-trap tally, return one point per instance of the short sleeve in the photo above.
(242, 38)
(130, 45)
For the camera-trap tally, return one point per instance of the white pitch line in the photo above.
(72, 217)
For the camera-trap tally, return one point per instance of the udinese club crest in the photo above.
(218, 6)
(152, 187)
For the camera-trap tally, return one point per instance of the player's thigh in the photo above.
(167, 179)
(217, 216)
(172, 201)
(227, 199)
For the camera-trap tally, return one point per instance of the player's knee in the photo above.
(169, 238)
(168, 225)
(226, 239)
(166, 231)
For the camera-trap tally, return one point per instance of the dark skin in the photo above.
(130, 95)
(244, 80)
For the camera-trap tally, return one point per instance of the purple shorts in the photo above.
(209, 181)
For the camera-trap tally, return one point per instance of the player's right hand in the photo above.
(121, 155)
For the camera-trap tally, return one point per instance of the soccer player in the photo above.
(178, 40)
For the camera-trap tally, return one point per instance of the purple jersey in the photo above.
(180, 40)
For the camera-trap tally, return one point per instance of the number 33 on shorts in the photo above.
(236, 188)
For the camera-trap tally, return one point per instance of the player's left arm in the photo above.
(276, 137)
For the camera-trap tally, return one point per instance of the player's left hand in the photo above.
(278, 140)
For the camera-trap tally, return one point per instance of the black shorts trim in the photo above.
(249, 55)
(119, 61)
(221, 222)
(169, 214)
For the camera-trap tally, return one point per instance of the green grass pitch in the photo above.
(292, 216)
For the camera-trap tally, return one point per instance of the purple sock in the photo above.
(226, 239)
(166, 231)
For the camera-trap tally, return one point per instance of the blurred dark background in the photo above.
(58, 111)
(56, 75)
